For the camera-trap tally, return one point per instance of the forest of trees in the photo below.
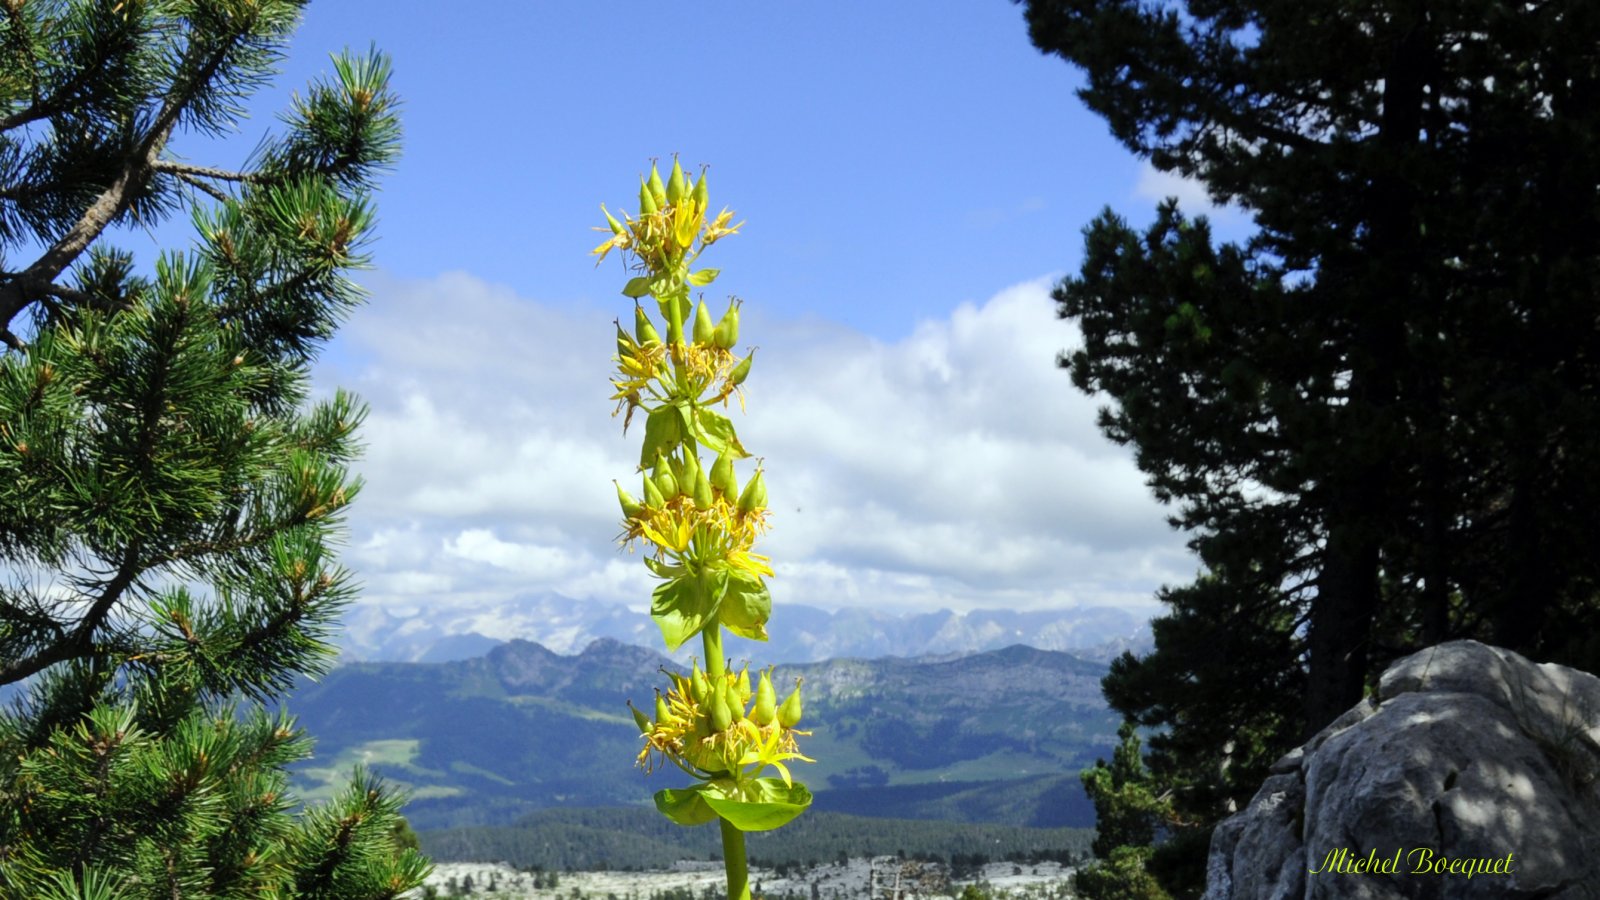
(637, 838)
(1375, 417)
(167, 494)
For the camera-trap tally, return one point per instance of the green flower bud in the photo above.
(658, 191)
(727, 330)
(652, 494)
(722, 477)
(642, 327)
(755, 493)
(766, 708)
(742, 686)
(742, 370)
(789, 712)
(676, 466)
(630, 507)
(701, 193)
(675, 185)
(616, 227)
(702, 491)
(698, 685)
(639, 718)
(666, 483)
(703, 330)
(689, 472)
(624, 343)
(721, 718)
(647, 200)
(735, 708)
(663, 712)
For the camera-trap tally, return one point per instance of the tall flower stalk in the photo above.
(699, 528)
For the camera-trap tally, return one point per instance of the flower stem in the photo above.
(711, 639)
(733, 853)
(733, 859)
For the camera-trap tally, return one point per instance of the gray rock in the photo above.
(1469, 752)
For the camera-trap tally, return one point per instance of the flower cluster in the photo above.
(697, 520)
(672, 216)
(714, 726)
(651, 371)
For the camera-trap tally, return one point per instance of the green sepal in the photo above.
(704, 277)
(746, 606)
(663, 429)
(636, 287)
(759, 805)
(685, 807)
(715, 432)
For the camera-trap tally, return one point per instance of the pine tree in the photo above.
(167, 492)
(1376, 418)
(1128, 814)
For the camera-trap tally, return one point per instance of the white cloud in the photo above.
(957, 467)
(1156, 186)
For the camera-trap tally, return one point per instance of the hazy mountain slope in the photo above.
(995, 737)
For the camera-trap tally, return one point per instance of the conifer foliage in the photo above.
(1376, 418)
(168, 493)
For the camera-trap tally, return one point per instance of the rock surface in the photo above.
(1468, 753)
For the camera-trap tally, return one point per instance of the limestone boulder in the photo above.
(1474, 773)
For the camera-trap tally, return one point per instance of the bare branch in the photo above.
(170, 167)
(206, 186)
(71, 295)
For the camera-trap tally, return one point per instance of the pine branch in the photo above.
(66, 95)
(81, 640)
(115, 200)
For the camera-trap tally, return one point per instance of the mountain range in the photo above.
(800, 633)
(995, 737)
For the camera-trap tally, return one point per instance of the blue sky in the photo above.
(912, 185)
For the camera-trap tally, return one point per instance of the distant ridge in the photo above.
(995, 737)
(450, 631)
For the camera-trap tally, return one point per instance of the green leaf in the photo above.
(663, 569)
(663, 429)
(636, 287)
(685, 807)
(760, 805)
(684, 606)
(704, 277)
(715, 432)
(746, 606)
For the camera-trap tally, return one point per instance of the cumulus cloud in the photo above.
(956, 467)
